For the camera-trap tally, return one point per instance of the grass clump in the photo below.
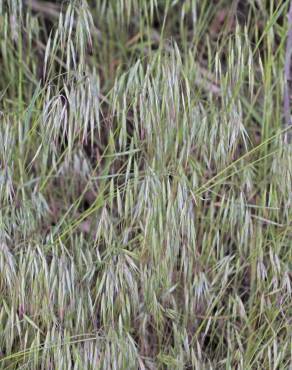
(145, 185)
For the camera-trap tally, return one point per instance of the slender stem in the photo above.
(287, 92)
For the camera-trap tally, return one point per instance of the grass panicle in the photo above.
(145, 185)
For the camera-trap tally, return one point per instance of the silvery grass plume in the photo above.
(145, 187)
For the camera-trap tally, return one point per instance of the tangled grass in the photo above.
(145, 186)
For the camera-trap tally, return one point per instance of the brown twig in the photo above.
(47, 8)
(287, 92)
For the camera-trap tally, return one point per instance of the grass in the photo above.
(145, 185)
